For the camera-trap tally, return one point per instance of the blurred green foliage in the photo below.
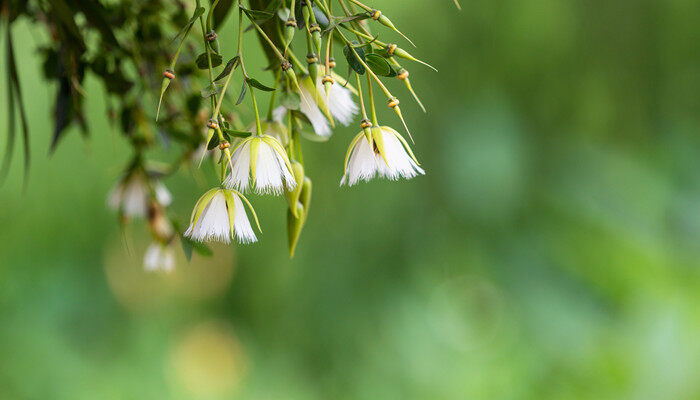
(549, 253)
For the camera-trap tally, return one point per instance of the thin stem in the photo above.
(258, 125)
(371, 102)
(362, 101)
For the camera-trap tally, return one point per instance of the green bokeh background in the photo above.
(550, 252)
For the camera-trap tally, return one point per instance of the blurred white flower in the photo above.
(262, 161)
(159, 257)
(131, 195)
(319, 109)
(388, 156)
(219, 215)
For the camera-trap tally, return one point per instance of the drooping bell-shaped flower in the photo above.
(388, 156)
(132, 195)
(159, 257)
(220, 216)
(340, 103)
(260, 162)
(319, 108)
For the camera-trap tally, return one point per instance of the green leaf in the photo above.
(256, 84)
(244, 89)
(338, 21)
(378, 64)
(258, 15)
(221, 11)
(231, 65)
(236, 133)
(203, 61)
(197, 13)
(352, 57)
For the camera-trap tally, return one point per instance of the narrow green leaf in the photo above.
(236, 133)
(197, 13)
(244, 89)
(256, 84)
(231, 65)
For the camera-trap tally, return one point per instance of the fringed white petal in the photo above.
(400, 164)
(159, 257)
(271, 172)
(340, 103)
(362, 164)
(213, 223)
(241, 225)
(268, 171)
(309, 107)
(239, 176)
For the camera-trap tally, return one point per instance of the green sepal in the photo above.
(305, 197)
(347, 155)
(163, 88)
(254, 147)
(313, 72)
(293, 196)
(250, 206)
(231, 205)
(399, 52)
(295, 222)
(378, 137)
(368, 135)
(201, 205)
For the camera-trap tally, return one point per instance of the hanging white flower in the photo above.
(261, 162)
(219, 216)
(319, 109)
(388, 156)
(340, 103)
(131, 195)
(159, 257)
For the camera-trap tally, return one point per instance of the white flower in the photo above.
(131, 195)
(340, 103)
(388, 156)
(319, 109)
(219, 215)
(159, 257)
(262, 160)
